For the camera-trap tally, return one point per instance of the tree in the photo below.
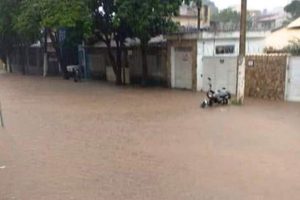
(293, 8)
(109, 27)
(198, 4)
(8, 35)
(294, 47)
(227, 16)
(147, 19)
(51, 16)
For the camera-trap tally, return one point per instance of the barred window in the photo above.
(227, 49)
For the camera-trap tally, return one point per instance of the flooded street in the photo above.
(96, 141)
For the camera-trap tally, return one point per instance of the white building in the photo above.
(227, 43)
(217, 57)
(195, 57)
(272, 20)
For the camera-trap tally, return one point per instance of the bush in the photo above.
(294, 47)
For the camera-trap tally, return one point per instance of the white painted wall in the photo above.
(207, 47)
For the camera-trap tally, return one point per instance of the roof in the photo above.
(186, 16)
(134, 42)
(294, 24)
(266, 18)
(208, 35)
(282, 37)
(234, 35)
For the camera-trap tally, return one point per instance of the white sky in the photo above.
(253, 4)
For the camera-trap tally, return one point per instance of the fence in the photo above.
(99, 63)
(30, 60)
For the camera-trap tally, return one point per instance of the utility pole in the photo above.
(199, 7)
(241, 59)
(243, 28)
(1, 117)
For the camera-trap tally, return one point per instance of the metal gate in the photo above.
(183, 68)
(293, 80)
(222, 71)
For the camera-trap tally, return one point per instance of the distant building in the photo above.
(281, 38)
(212, 7)
(188, 15)
(236, 8)
(272, 20)
(188, 18)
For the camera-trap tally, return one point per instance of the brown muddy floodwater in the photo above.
(96, 141)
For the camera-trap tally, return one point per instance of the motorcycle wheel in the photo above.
(210, 103)
(225, 101)
(229, 96)
(76, 75)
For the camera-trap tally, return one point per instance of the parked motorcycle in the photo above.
(74, 71)
(220, 97)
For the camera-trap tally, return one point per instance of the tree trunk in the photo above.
(125, 65)
(114, 64)
(27, 59)
(45, 59)
(8, 65)
(58, 54)
(144, 65)
(199, 18)
(119, 64)
(23, 58)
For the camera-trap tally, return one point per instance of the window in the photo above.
(228, 49)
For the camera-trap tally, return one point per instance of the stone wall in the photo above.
(265, 76)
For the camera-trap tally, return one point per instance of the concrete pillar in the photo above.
(45, 66)
(241, 76)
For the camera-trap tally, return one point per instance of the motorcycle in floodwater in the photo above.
(220, 97)
(74, 71)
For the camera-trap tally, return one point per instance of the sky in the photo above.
(252, 4)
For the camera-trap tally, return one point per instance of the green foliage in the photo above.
(34, 15)
(227, 16)
(108, 26)
(105, 22)
(197, 2)
(149, 18)
(294, 47)
(8, 35)
(27, 21)
(293, 9)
